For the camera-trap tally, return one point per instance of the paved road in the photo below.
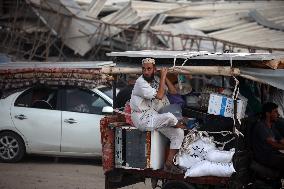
(46, 173)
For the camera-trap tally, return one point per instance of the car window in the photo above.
(84, 101)
(38, 97)
(108, 91)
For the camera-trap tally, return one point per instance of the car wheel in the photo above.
(12, 148)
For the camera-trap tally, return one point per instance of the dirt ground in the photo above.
(47, 173)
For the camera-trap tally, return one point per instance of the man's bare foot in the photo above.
(172, 169)
(181, 125)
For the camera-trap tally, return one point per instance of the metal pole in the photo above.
(114, 82)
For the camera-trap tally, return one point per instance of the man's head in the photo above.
(270, 111)
(148, 69)
(131, 79)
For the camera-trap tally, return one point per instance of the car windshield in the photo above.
(107, 91)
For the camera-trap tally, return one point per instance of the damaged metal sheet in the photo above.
(70, 65)
(109, 5)
(69, 21)
(92, 27)
(179, 29)
(136, 12)
(95, 8)
(218, 8)
(143, 39)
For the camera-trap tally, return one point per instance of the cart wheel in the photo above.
(177, 185)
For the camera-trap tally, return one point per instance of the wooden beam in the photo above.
(193, 70)
(274, 64)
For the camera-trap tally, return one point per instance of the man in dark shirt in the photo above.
(279, 126)
(124, 94)
(267, 142)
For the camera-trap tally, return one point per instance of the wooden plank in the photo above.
(274, 64)
(194, 70)
(160, 174)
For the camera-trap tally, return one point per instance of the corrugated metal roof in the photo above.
(199, 55)
(233, 21)
(219, 8)
(69, 65)
(142, 10)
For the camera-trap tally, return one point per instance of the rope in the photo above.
(235, 97)
(175, 61)
(194, 135)
(188, 56)
(223, 133)
(187, 141)
(185, 61)
(224, 143)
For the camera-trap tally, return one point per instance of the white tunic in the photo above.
(145, 106)
(144, 111)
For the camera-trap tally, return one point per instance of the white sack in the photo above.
(220, 156)
(201, 147)
(207, 168)
(187, 160)
(197, 152)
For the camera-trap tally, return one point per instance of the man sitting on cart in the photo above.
(148, 97)
(267, 142)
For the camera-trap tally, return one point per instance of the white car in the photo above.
(50, 120)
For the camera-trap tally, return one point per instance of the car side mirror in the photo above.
(107, 110)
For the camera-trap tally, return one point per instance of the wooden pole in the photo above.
(193, 70)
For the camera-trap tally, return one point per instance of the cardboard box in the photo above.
(224, 106)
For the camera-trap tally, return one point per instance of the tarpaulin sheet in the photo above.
(272, 77)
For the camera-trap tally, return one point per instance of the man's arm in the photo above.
(161, 91)
(171, 87)
(275, 144)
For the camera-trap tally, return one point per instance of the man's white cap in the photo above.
(148, 60)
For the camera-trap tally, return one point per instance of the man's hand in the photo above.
(161, 89)
(276, 145)
(164, 72)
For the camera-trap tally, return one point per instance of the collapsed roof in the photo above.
(89, 26)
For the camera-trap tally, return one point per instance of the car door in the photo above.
(81, 122)
(35, 113)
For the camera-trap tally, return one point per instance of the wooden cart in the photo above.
(196, 63)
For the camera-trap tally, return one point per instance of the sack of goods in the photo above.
(202, 158)
(209, 168)
(220, 156)
(195, 152)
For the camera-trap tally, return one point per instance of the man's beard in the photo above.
(149, 79)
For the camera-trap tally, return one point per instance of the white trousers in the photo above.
(164, 123)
